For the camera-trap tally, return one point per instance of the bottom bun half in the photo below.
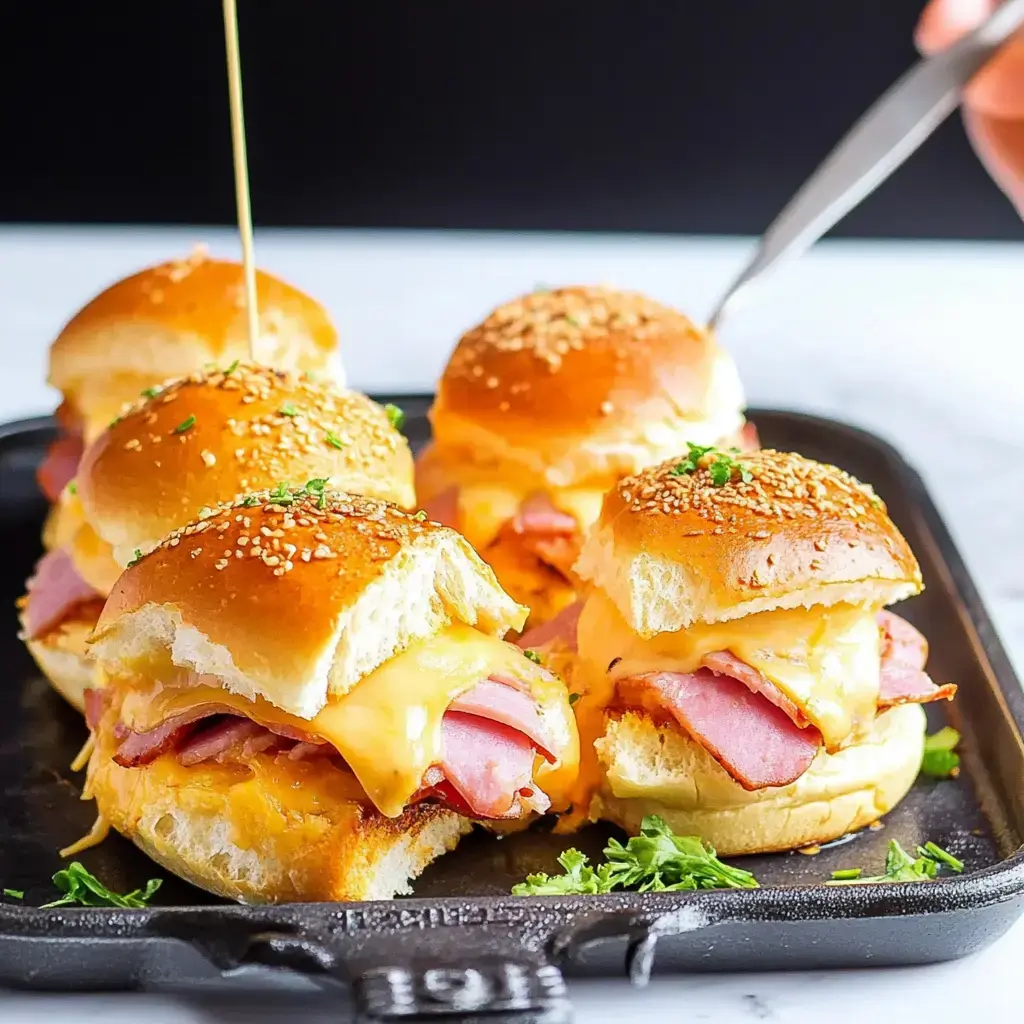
(272, 831)
(648, 769)
(62, 653)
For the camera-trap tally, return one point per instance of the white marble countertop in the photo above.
(921, 342)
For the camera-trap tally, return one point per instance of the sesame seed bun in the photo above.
(275, 831)
(672, 548)
(298, 602)
(647, 769)
(172, 319)
(212, 436)
(583, 384)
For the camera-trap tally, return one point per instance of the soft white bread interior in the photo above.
(649, 769)
(272, 831)
(172, 319)
(299, 601)
(675, 545)
(231, 431)
(63, 655)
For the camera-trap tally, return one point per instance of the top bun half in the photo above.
(758, 531)
(299, 597)
(211, 436)
(173, 319)
(581, 384)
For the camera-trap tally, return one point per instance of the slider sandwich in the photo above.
(306, 697)
(183, 448)
(168, 321)
(546, 405)
(743, 679)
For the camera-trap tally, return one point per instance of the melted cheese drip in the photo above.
(388, 727)
(826, 660)
(484, 508)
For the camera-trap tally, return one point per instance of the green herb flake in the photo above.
(81, 888)
(316, 487)
(185, 425)
(151, 392)
(250, 500)
(535, 658)
(231, 369)
(421, 516)
(901, 867)
(282, 495)
(15, 894)
(333, 440)
(573, 698)
(657, 860)
(721, 471)
(136, 557)
(570, 319)
(73, 487)
(288, 409)
(395, 415)
(940, 760)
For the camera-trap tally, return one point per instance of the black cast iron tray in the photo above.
(463, 946)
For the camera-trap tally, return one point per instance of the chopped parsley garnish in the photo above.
(231, 369)
(317, 487)
(657, 860)
(940, 760)
(569, 318)
(151, 392)
(901, 867)
(185, 425)
(281, 495)
(250, 500)
(136, 557)
(573, 697)
(421, 516)
(73, 487)
(334, 441)
(83, 889)
(721, 470)
(288, 409)
(535, 658)
(395, 415)
(15, 894)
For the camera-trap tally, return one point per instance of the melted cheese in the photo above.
(826, 660)
(388, 727)
(484, 508)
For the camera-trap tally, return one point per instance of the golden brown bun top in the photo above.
(584, 362)
(172, 319)
(775, 530)
(296, 595)
(211, 436)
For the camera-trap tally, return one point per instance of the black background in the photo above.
(648, 115)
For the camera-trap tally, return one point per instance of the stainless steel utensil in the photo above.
(893, 128)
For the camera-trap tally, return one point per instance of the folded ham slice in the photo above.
(59, 467)
(490, 735)
(537, 515)
(904, 653)
(560, 629)
(54, 592)
(723, 663)
(751, 738)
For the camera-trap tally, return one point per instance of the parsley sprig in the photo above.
(282, 494)
(940, 759)
(722, 468)
(901, 867)
(395, 415)
(657, 860)
(83, 889)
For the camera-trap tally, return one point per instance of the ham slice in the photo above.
(752, 739)
(443, 508)
(96, 701)
(214, 743)
(749, 441)
(560, 629)
(54, 592)
(498, 702)
(486, 762)
(59, 467)
(904, 653)
(722, 663)
(537, 515)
